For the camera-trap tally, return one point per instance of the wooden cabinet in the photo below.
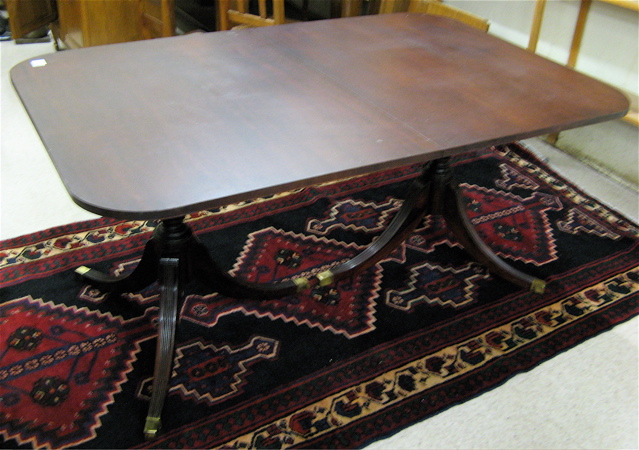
(27, 16)
(86, 23)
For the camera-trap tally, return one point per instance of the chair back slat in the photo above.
(434, 7)
(236, 14)
(440, 9)
(262, 8)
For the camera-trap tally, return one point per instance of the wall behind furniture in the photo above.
(609, 52)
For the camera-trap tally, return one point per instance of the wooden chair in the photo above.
(235, 14)
(434, 7)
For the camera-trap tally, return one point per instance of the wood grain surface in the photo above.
(161, 128)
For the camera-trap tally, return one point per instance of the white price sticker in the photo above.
(38, 63)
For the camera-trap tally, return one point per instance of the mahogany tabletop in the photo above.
(161, 128)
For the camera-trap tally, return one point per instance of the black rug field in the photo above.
(336, 367)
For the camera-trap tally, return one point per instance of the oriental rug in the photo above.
(424, 329)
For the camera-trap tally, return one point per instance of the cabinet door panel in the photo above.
(71, 23)
(26, 16)
(111, 21)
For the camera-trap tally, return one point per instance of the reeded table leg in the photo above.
(170, 288)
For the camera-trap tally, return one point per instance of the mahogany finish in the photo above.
(162, 128)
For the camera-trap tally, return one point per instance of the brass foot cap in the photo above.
(151, 427)
(82, 270)
(302, 283)
(325, 278)
(538, 286)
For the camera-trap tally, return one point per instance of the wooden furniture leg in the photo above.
(170, 292)
(434, 192)
(173, 257)
(142, 276)
(453, 210)
(410, 215)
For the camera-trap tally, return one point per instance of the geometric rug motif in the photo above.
(437, 285)
(355, 215)
(456, 360)
(577, 221)
(514, 227)
(207, 374)
(122, 268)
(512, 178)
(330, 383)
(64, 364)
(563, 188)
(67, 244)
(424, 239)
(270, 255)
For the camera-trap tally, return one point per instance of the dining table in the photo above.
(163, 128)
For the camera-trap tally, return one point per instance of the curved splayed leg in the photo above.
(410, 215)
(459, 223)
(142, 276)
